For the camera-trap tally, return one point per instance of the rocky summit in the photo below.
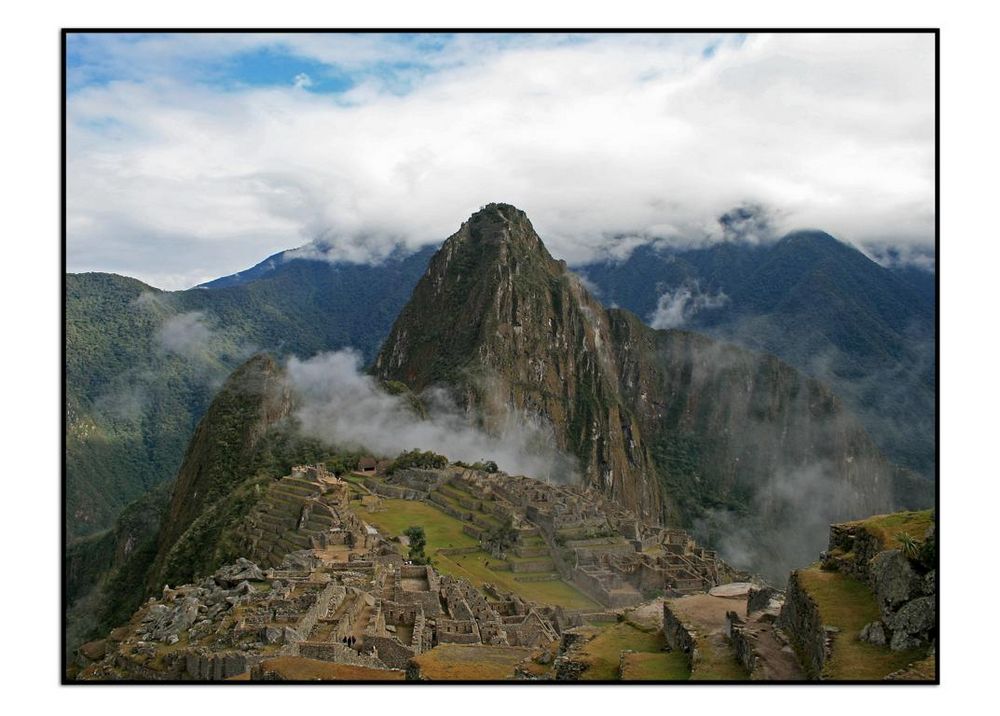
(669, 424)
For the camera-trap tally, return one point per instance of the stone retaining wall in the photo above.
(800, 620)
(679, 636)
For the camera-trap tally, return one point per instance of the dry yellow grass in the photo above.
(470, 662)
(299, 668)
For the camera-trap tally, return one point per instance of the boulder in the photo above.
(893, 580)
(902, 641)
(272, 635)
(302, 560)
(874, 633)
(913, 624)
(930, 582)
(232, 574)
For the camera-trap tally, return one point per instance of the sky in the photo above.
(195, 156)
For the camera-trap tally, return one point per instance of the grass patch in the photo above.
(602, 654)
(442, 530)
(298, 668)
(473, 567)
(717, 662)
(886, 527)
(665, 666)
(848, 604)
(470, 662)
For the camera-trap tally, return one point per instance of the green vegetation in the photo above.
(500, 538)
(441, 530)
(889, 527)
(664, 666)
(425, 460)
(444, 531)
(717, 662)
(602, 654)
(418, 540)
(470, 662)
(848, 604)
(132, 402)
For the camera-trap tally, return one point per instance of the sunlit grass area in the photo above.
(444, 531)
(470, 662)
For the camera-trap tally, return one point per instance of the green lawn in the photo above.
(445, 531)
(603, 653)
(665, 666)
(442, 530)
(717, 661)
(886, 527)
(847, 604)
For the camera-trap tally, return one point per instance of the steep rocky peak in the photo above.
(499, 234)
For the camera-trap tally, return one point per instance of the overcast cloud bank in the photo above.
(176, 177)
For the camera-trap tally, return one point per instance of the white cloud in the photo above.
(344, 407)
(677, 307)
(302, 81)
(605, 142)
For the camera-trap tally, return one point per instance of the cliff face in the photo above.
(667, 423)
(508, 329)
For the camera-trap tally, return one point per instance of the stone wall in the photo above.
(800, 620)
(679, 636)
(338, 653)
(217, 666)
(390, 652)
(850, 550)
(759, 598)
(743, 645)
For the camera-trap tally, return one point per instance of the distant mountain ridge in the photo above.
(143, 364)
(823, 306)
(866, 330)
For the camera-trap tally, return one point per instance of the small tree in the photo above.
(418, 540)
(501, 538)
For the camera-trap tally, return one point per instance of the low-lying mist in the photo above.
(785, 527)
(342, 406)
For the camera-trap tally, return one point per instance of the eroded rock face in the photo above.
(893, 580)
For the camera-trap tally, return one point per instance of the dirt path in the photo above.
(777, 659)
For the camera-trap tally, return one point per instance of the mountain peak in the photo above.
(500, 225)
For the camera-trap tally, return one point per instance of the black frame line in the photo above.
(64, 32)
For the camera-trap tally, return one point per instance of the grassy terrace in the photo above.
(603, 655)
(886, 527)
(655, 667)
(847, 604)
(444, 531)
(470, 662)
(297, 668)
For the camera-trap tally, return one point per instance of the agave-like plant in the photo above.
(909, 546)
